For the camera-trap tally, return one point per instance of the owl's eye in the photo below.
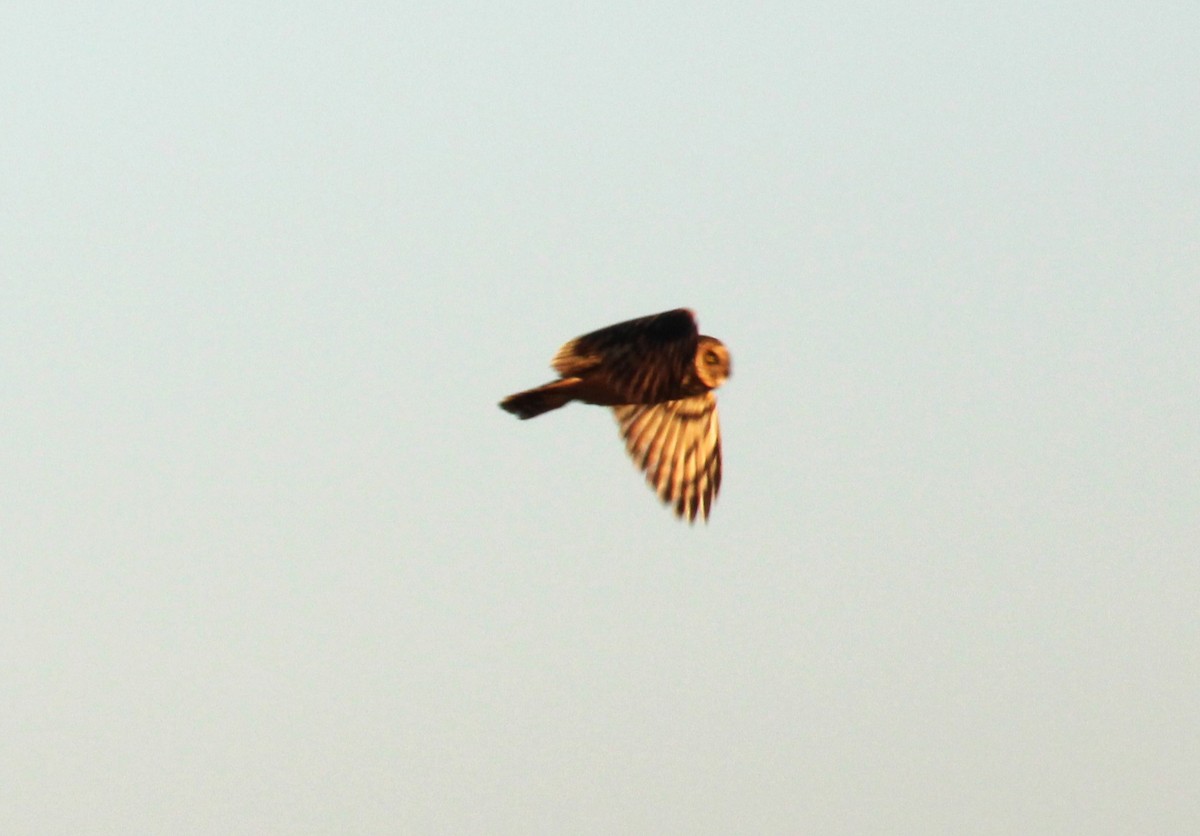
(710, 357)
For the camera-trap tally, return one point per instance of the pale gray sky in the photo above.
(273, 561)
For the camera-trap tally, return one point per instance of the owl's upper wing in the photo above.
(678, 445)
(640, 358)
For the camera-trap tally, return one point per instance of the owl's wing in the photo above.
(678, 445)
(641, 358)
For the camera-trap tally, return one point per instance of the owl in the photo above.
(658, 374)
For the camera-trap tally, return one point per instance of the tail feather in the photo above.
(533, 402)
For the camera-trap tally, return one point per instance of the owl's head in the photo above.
(713, 366)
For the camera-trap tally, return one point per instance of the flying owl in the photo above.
(658, 374)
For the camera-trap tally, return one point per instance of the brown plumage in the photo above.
(658, 373)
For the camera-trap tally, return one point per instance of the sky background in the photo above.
(273, 561)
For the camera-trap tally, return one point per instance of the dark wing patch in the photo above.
(678, 445)
(642, 358)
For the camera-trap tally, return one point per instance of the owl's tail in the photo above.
(533, 402)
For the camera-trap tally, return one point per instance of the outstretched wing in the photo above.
(678, 445)
(642, 359)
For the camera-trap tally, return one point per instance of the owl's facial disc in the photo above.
(712, 362)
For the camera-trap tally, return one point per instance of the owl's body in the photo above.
(658, 373)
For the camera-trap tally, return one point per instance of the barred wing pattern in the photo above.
(678, 445)
(643, 359)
